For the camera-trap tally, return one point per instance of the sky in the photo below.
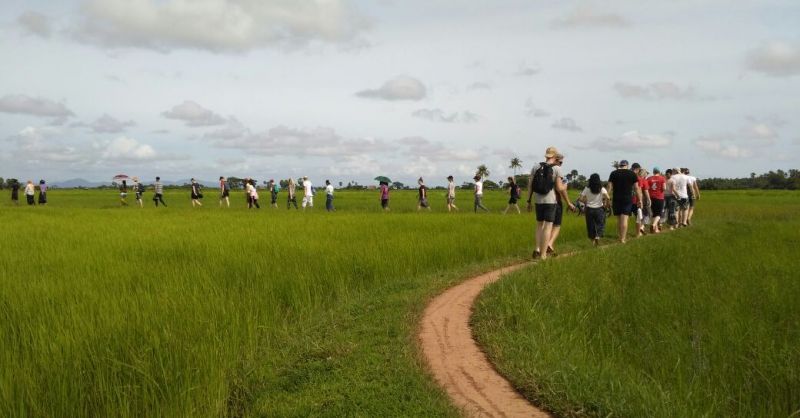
(348, 90)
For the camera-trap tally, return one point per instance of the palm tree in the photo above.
(515, 164)
(615, 164)
(483, 171)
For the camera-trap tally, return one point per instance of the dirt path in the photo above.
(456, 361)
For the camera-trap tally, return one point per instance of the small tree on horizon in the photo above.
(483, 171)
(515, 164)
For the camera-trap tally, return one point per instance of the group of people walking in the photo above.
(654, 200)
(30, 193)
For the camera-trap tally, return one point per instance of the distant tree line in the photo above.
(773, 180)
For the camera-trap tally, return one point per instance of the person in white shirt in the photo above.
(479, 194)
(329, 196)
(29, 193)
(694, 194)
(680, 189)
(451, 194)
(308, 193)
(253, 193)
(596, 199)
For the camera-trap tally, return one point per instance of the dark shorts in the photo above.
(384, 203)
(545, 212)
(683, 204)
(138, 196)
(622, 207)
(559, 215)
(195, 196)
(657, 206)
(691, 201)
(423, 203)
(225, 193)
(513, 200)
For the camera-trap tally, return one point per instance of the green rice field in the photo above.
(120, 311)
(703, 322)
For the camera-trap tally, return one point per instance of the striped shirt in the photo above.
(159, 187)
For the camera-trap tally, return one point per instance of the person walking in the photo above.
(291, 196)
(596, 199)
(30, 191)
(422, 199)
(308, 193)
(556, 229)
(451, 194)
(513, 196)
(642, 210)
(252, 192)
(158, 188)
(329, 196)
(622, 184)
(15, 193)
(680, 189)
(197, 194)
(138, 189)
(656, 184)
(670, 201)
(545, 182)
(123, 193)
(384, 189)
(224, 192)
(274, 188)
(479, 194)
(693, 190)
(42, 192)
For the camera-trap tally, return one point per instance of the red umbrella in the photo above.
(120, 177)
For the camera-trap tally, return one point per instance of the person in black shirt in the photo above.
(423, 195)
(622, 183)
(15, 192)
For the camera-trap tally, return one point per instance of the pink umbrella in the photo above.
(120, 177)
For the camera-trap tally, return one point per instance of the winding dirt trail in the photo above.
(455, 359)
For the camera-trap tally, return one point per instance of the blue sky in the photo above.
(350, 90)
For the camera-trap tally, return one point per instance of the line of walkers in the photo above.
(630, 192)
(30, 193)
(251, 193)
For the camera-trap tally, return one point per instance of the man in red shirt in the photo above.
(657, 184)
(642, 210)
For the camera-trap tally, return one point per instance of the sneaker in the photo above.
(551, 252)
(536, 254)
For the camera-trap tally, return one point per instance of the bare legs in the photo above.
(512, 205)
(622, 227)
(543, 231)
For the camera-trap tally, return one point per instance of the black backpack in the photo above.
(543, 179)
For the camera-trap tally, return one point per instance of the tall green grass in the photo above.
(109, 311)
(702, 322)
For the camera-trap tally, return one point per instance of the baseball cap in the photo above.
(656, 169)
(623, 163)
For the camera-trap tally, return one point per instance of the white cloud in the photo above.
(217, 25)
(760, 132)
(419, 146)
(439, 115)
(34, 106)
(532, 111)
(398, 88)
(479, 85)
(723, 149)
(233, 130)
(660, 90)
(35, 23)
(108, 124)
(355, 165)
(526, 71)
(126, 149)
(630, 141)
(37, 145)
(193, 114)
(567, 124)
(776, 59)
(585, 16)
